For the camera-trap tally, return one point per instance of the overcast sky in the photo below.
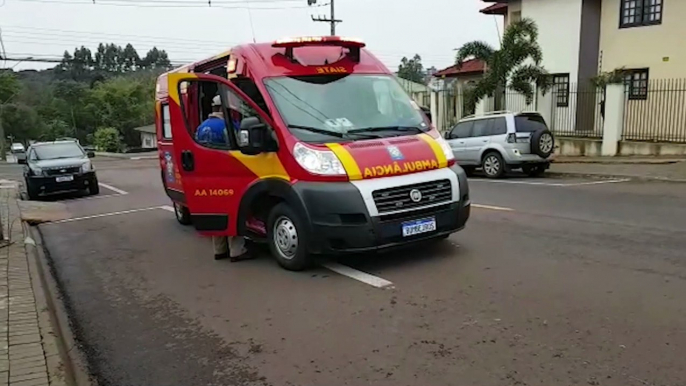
(191, 30)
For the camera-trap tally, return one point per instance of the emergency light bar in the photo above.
(354, 45)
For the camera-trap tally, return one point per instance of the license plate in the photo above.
(416, 227)
(64, 178)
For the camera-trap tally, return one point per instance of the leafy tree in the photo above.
(123, 104)
(107, 139)
(156, 59)
(21, 122)
(411, 69)
(130, 58)
(517, 64)
(9, 86)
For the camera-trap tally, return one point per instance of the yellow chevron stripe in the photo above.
(438, 152)
(347, 160)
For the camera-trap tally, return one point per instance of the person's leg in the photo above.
(238, 250)
(221, 248)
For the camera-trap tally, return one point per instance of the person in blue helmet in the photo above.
(213, 131)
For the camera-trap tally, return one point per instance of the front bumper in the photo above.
(340, 222)
(45, 184)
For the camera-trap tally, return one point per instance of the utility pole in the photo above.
(332, 20)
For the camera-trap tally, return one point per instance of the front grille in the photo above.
(60, 171)
(398, 198)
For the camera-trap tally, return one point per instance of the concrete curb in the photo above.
(598, 175)
(132, 156)
(66, 363)
(615, 161)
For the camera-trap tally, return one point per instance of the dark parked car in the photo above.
(59, 166)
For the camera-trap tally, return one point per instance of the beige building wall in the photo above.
(514, 12)
(660, 47)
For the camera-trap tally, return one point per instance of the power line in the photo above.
(167, 4)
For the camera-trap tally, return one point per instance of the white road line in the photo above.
(112, 188)
(364, 277)
(556, 185)
(143, 157)
(166, 207)
(104, 215)
(492, 207)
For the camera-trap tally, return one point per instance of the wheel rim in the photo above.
(285, 238)
(178, 210)
(491, 165)
(546, 143)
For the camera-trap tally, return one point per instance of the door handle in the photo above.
(485, 140)
(187, 161)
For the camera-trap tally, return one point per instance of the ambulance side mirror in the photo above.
(252, 136)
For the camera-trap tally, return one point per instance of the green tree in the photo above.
(21, 122)
(516, 65)
(107, 139)
(9, 86)
(123, 103)
(156, 59)
(412, 69)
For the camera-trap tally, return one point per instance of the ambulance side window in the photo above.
(166, 123)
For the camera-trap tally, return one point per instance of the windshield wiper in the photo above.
(388, 128)
(316, 130)
(333, 133)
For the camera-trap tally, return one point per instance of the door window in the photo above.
(482, 128)
(499, 126)
(221, 112)
(462, 130)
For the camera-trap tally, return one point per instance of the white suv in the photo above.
(501, 141)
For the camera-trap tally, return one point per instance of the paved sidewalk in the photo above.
(659, 169)
(22, 360)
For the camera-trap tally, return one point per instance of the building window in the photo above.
(636, 82)
(635, 13)
(561, 89)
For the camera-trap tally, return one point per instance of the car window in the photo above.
(529, 123)
(499, 126)
(59, 150)
(462, 130)
(482, 128)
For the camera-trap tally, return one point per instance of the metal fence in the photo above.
(516, 102)
(577, 111)
(655, 111)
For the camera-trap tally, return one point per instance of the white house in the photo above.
(148, 136)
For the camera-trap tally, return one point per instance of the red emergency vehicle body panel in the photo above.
(221, 178)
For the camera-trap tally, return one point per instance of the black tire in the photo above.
(493, 165)
(533, 170)
(542, 143)
(182, 214)
(31, 190)
(288, 238)
(94, 187)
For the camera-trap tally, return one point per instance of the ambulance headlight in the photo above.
(445, 146)
(322, 162)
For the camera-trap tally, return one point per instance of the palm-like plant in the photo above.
(516, 65)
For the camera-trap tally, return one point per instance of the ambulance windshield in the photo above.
(330, 108)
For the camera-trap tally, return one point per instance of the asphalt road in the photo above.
(553, 282)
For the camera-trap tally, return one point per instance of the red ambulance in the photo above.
(323, 152)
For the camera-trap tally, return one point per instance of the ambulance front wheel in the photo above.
(288, 238)
(183, 215)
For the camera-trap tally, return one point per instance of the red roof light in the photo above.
(318, 41)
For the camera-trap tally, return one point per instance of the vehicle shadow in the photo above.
(423, 253)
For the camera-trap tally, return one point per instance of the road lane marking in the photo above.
(492, 207)
(143, 157)
(166, 207)
(363, 277)
(112, 188)
(103, 215)
(554, 184)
